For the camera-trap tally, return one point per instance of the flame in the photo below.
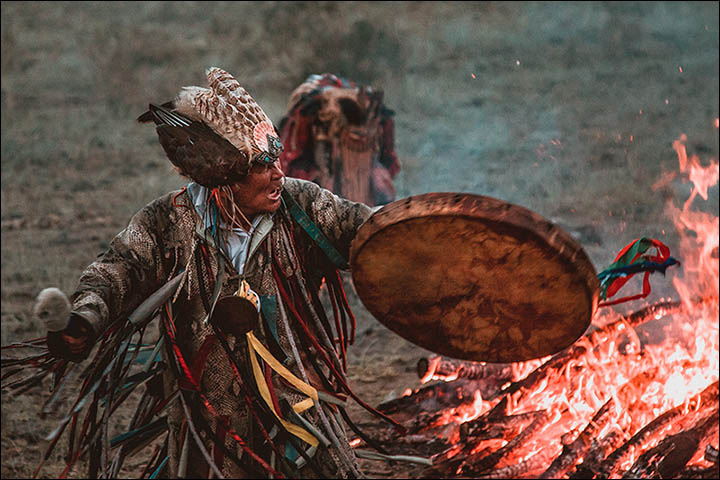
(658, 376)
(430, 374)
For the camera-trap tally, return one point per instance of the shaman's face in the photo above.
(259, 191)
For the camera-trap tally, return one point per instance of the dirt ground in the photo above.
(569, 109)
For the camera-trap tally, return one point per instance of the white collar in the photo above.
(200, 196)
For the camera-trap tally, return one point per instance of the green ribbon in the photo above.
(318, 237)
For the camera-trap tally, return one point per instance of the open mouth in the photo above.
(275, 193)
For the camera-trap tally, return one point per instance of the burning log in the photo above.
(699, 472)
(458, 458)
(496, 417)
(535, 462)
(671, 455)
(494, 458)
(672, 420)
(625, 398)
(577, 448)
(599, 449)
(443, 392)
(504, 428)
(486, 437)
(461, 379)
(450, 369)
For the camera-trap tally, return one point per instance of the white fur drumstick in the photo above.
(53, 307)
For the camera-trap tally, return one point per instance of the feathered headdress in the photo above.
(213, 135)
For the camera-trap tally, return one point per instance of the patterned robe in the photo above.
(164, 239)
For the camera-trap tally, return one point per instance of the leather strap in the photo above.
(317, 236)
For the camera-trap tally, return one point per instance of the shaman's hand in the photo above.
(75, 336)
(68, 334)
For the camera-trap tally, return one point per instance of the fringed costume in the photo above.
(286, 268)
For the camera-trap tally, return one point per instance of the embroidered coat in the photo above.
(287, 270)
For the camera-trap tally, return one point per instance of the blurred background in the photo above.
(569, 109)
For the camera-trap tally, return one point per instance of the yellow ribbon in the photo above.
(255, 346)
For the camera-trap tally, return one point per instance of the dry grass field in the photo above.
(569, 109)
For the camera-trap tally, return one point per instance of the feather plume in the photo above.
(212, 134)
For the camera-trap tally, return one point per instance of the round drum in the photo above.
(473, 277)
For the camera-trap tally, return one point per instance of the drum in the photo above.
(473, 277)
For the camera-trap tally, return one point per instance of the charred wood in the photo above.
(599, 449)
(671, 421)
(506, 427)
(534, 463)
(494, 458)
(625, 398)
(699, 472)
(447, 393)
(670, 456)
(446, 367)
(580, 445)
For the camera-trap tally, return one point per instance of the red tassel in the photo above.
(399, 428)
(186, 371)
(340, 329)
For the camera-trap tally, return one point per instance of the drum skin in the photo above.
(473, 277)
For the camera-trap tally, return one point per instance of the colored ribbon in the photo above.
(256, 347)
(632, 259)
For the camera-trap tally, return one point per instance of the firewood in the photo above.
(671, 455)
(672, 420)
(536, 462)
(446, 367)
(493, 459)
(624, 399)
(581, 444)
(440, 390)
(599, 449)
(699, 472)
(504, 428)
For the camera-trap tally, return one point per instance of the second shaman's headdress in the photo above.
(213, 135)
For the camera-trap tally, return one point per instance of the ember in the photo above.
(615, 404)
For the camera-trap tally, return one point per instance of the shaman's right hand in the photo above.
(69, 334)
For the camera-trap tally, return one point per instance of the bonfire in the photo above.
(636, 397)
